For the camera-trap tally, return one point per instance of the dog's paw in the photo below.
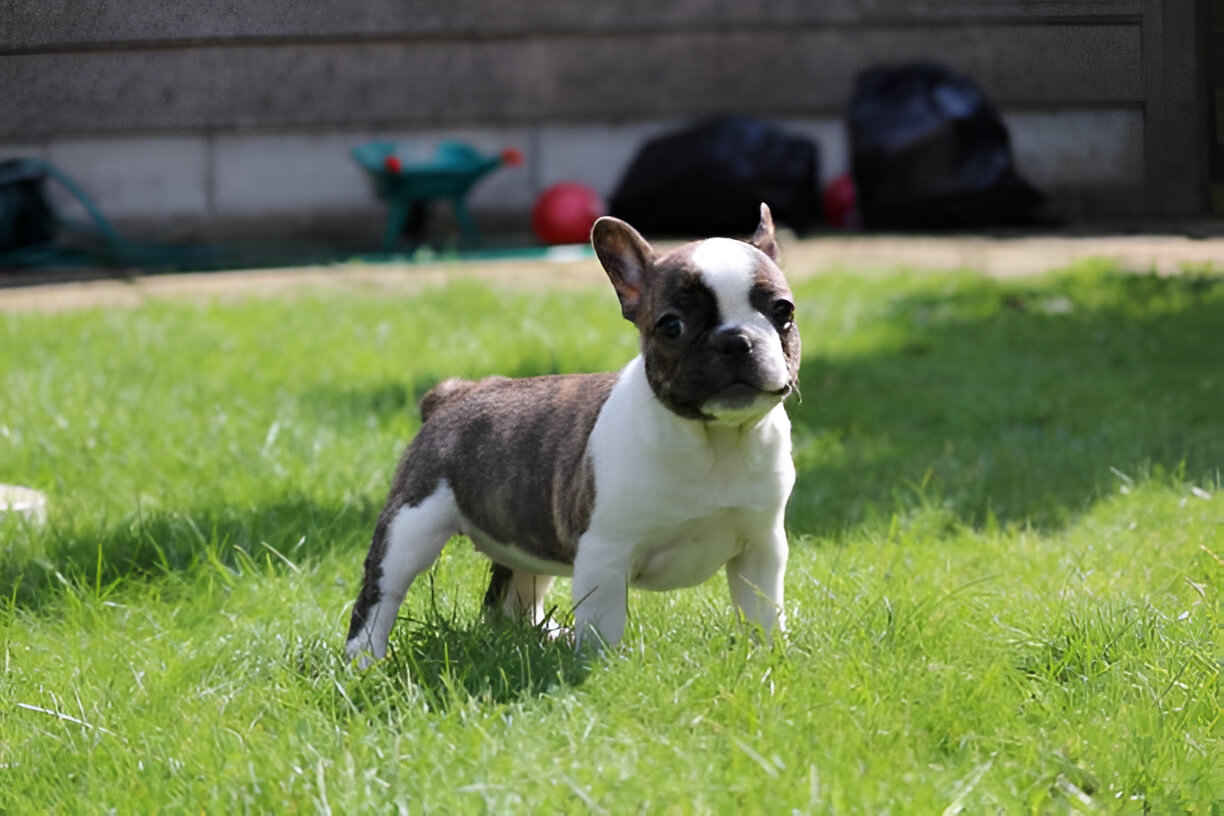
(359, 655)
(551, 631)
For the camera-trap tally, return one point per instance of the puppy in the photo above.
(654, 476)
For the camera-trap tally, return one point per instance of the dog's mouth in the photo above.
(738, 392)
(741, 394)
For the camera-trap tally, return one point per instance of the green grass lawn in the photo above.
(1007, 546)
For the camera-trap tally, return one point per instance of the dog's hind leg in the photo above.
(407, 541)
(499, 582)
(518, 593)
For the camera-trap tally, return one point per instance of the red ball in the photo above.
(392, 164)
(841, 202)
(565, 212)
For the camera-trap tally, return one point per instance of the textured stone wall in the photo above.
(227, 108)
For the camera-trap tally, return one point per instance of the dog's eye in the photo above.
(783, 313)
(670, 326)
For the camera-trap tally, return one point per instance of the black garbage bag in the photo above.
(929, 151)
(26, 219)
(710, 179)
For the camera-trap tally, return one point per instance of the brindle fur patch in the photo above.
(517, 474)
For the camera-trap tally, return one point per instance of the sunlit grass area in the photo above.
(1004, 591)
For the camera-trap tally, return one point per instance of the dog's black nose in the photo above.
(732, 341)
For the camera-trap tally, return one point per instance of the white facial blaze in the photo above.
(727, 268)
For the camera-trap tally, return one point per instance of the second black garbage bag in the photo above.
(930, 152)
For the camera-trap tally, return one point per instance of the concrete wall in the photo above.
(204, 111)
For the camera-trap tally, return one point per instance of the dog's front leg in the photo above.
(601, 594)
(755, 577)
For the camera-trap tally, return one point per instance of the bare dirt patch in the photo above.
(1002, 257)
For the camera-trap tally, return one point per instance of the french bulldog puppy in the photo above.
(654, 476)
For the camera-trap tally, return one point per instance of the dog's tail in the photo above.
(440, 393)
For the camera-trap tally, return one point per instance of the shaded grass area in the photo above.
(1018, 402)
(1004, 589)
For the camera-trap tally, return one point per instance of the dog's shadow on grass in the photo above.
(449, 659)
(442, 660)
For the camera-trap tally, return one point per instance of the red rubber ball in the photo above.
(565, 212)
(840, 201)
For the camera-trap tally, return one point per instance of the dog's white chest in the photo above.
(688, 555)
(677, 501)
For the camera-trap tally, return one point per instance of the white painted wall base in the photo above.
(310, 175)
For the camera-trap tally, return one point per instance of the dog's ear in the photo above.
(627, 259)
(764, 238)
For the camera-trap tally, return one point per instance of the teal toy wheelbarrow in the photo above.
(407, 187)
